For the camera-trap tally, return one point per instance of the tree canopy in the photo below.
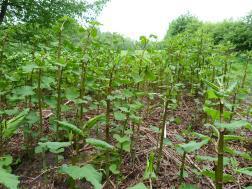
(46, 12)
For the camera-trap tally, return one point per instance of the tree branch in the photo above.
(4, 7)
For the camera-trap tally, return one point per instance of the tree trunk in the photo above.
(3, 10)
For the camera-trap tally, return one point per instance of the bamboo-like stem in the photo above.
(245, 74)
(162, 133)
(220, 166)
(182, 168)
(59, 78)
(108, 108)
(39, 95)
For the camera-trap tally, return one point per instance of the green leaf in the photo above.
(46, 82)
(233, 125)
(100, 144)
(213, 159)
(213, 86)
(87, 171)
(121, 139)
(155, 129)
(71, 127)
(29, 68)
(137, 78)
(167, 142)
(93, 121)
(23, 91)
(246, 171)
(226, 177)
(211, 95)
(248, 187)
(13, 124)
(192, 146)
(71, 93)
(8, 180)
(113, 169)
(11, 111)
(187, 186)
(5, 161)
(138, 186)
(215, 114)
(233, 137)
(119, 116)
(54, 147)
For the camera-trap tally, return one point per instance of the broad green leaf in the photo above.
(167, 142)
(93, 121)
(113, 169)
(120, 116)
(5, 161)
(29, 68)
(233, 125)
(72, 93)
(248, 187)
(11, 112)
(211, 95)
(121, 139)
(233, 137)
(23, 91)
(13, 124)
(47, 82)
(100, 144)
(137, 78)
(246, 171)
(87, 171)
(187, 186)
(54, 147)
(32, 118)
(226, 177)
(215, 114)
(138, 186)
(155, 129)
(213, 159)
(71, 127)
(192, 146)
(213, 86)
(9, 180)
(126, 146)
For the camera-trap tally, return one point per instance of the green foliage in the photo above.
(187, 186)
(41, 12)
(149, 172)
(138, 186)
(54, 147)
(246, 171)
(71, 127)
(93, 121)
(9, 180)
(13, 124)
(186, 22)
(87, 171)
(100, 144)
(192, 146)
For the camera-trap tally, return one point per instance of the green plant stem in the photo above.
(182, 168)
(108, 108)
(39, 94)
(59, 78)
(58, 110)
(162, 134)
(82, 89)
(245, 74)
(1, 137)
(220, 166)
